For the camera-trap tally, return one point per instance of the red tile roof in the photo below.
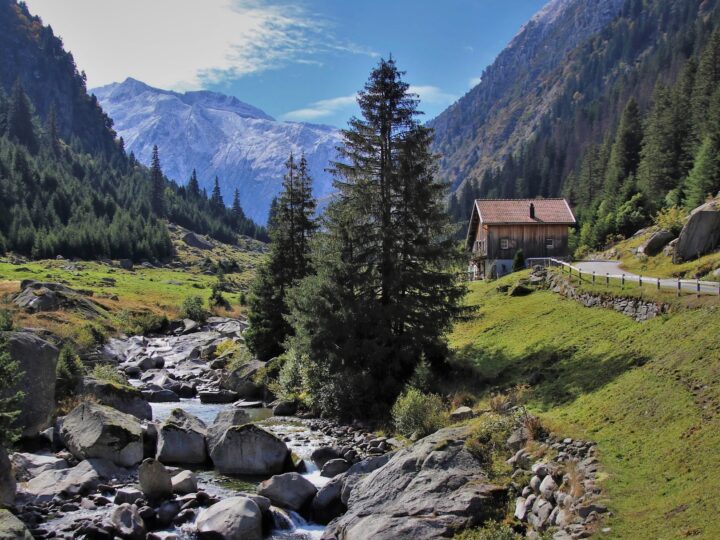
(500, 211)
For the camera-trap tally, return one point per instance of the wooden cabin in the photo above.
(500, 227)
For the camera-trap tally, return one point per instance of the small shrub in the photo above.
(518, 261)
(290, 379)
(239, 359)
(492, 530)
(533, 426)
(6, 320)
(501, 403)
(89, 336)
(487, 441)
(66, 405)
(671, 219)
(108, 373)
(415, 412)
(243, 299)
(69, 372)
(142, 323)
(217, 300)
(192, 308)
(462, 398)
(574, 479)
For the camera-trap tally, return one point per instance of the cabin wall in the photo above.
(530, 238)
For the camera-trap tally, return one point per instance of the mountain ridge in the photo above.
(218, 135)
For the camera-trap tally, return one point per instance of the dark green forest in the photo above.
(636, 130)
(67, 186)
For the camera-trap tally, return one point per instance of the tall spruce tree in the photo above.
(216, 199)
(291, 227)
(193, 187)
(384, 292)
(157, 184)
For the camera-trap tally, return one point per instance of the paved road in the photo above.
(613, 268)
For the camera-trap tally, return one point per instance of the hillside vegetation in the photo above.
(647, 393)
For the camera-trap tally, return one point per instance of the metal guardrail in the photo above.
(680, 285)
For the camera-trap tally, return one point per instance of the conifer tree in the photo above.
(237, 210)
(625, 151)
(216, 199)
(19, 122)
(157, 184)
(193, 187)
(383, 293)
(52, 130)
(291, 227)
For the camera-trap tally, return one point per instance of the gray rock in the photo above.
(7, 480)
(195, 241)
(11, 528)
(422, 492)
(79, 479)
(96, 431)
(701, 233)
(155, 481)
(184, 482)
(127, 522)
(240, 381)
(461, 413)
(320, 456)
(548, 488)
(37, 360)
(181, 439)
(127, 495)
(27, 466)
(289, 490)
(123, 398)
(162, 395)
(585, 510)
(224, 420)
(36, 296)
(540, 514)
(218, 396)
(327, 504)
(235, 518)
(358, 470)
(521, 509)
(248, 449)
(655, 244)
(285, 408)
(334, 467)
(535, 483)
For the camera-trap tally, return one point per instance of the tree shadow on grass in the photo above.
(556, 375)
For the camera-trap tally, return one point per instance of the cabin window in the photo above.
(549, 243)
(504, 243)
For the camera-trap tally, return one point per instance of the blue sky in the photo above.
(298, 61)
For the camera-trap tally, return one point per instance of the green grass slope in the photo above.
(648, 393)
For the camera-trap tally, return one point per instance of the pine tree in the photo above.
(157, 184)
(704, 178)
(52, 130)
(216, 199)
(193, 187)
(625, 151)
(20, 122)
(383, 293)
(237, 211)
(291, 227)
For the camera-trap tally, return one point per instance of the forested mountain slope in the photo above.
(67, 186)
(617, 125)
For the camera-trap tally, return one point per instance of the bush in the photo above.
(671, 219)
(240, 358)
(518, 263)
(415, 412)
(142, 323)
(290, 378)
(492, 530)
(217, 300)
(192, 308)
(108, 373)
(487, 441)
(6, 320)
(69, 373)
(243, 298)
(89, 336)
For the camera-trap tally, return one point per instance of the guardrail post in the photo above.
(622, 281)
(607, 279)
(640, 280)
(678, 286)
(593, 277)
(658, 284)
(697, 285)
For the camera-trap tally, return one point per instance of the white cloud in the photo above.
(474, 81)
(324, 108)
(181, 44)
(432, 95)
(321, 109)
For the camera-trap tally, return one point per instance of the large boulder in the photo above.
(118, 396)
(77, 480)
(327, 504)
(195, 241)
(701, 233)
(655, 244)
(290, 490)
(241, 381)
(7, 480)
(248, 449)
(235, 518)
(225, 419)
(184, 482)
(96, 431)
(181, 439)
(155, 480)
(11, 528)
(35, 296)
(37, 360)
(27, 466)
(428, 490)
